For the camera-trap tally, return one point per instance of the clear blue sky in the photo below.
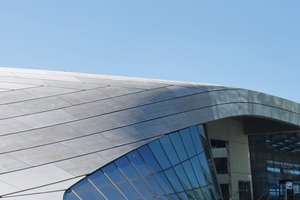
(250, 44)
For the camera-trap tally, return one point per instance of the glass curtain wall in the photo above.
(176, 166)
(275, 158)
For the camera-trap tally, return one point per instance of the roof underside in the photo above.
(56, 127)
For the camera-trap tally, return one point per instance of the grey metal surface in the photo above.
(56, 127)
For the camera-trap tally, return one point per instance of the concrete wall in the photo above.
(232, 131)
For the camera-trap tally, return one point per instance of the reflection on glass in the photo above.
(138, 163)
(169, 149)
(274, 157)
(179, 147)
(86, 190)
(149, 159)
(154, 185)
(126, 167)
(176, 166)
(188, 142)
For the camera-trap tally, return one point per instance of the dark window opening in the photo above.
(221, 165)
(217, 144)
(244, 190)
(225, 191)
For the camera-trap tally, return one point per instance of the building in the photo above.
(81, 136)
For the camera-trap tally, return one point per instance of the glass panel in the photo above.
(182, 177)
(113, 173)
(69, 195)
(104, 185)
(196, 139)
(151, 198)
(190, 173)
(198, 193)
(142, 188)
(98, 178)
(188, 143)
(128, 190)
(85, 190)
(191, 195)
(174, 180)
(138, 163)
(205, 167)
(182, 195)
(173, 197)
(164, 197)
(153, 185)
(164, 182)
(149, 158)
(111, 192)
(274, 160)
(125, 166)
(198, 171)
(212, 193)
(180, 150)
(169, 149)
(206, 193)
(201, 131)
(159, 154)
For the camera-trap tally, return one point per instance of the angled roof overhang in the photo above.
(56, 127)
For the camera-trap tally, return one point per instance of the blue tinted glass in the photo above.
(198, 193)
(154, 185)
(204, 161)
(188, 143)
(113, 173)
(164, 182)
(138, 163)
(85, 190)
(69, 195)
(147, 172)
(191, 194)
(181, 152)
(149, 158)
(205, 167)
(196, 139)
(125, 166)
(190, 173)
(213, 192)
(163, 197)
(128, 190)
(202, 132)
(182, 177)
(198, 170)
(169, 149)
(142, 188)
(174, 180)
(159, 154)
(105, 186)
(99, 179)
(174, 196)
(151, 198)
(183, 195)
(111, 192)
(205, 193)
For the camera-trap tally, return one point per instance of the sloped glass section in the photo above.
(176, 166)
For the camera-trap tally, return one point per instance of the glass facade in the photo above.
(275, 159)
(176, 166)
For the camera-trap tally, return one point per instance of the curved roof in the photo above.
(56, 127)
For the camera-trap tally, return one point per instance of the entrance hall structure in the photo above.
(74, 136)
